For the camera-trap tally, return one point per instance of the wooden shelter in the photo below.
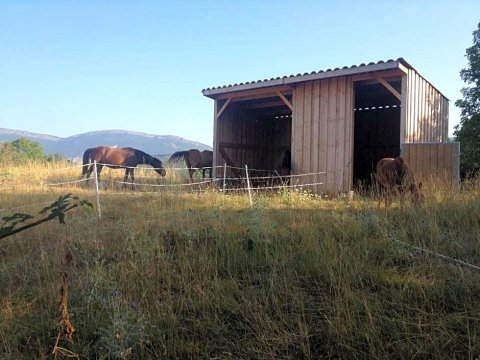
(335, 124)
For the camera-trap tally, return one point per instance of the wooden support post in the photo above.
(285, 100)
(223, 107)
(403, 112)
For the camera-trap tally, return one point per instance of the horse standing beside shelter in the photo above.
(116, 158)
(394, 177)
(195, 159)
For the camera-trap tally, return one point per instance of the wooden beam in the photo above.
(375, 81)
(263, 105)
(403, 68)
(274, 112)
(285, 100)
(390, 88)
(227, 145)
(373, 75)
(255, 93)
(223, 107)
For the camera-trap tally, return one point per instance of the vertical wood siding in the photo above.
(439, 161)
(426, 113)
(320, 133)
(249, 139)
(322, 137)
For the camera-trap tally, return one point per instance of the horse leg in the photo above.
(203, 174)
(125, 178)
(402, 199)
(132, 176)
(89, 172)
(99, 170)
(388, 199)
(91, 169)
(190, 172)
(381, 192)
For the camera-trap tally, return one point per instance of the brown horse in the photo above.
(195, 159)
(118, 158)
(394, 177)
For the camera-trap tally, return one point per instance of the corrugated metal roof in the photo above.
(290, 79)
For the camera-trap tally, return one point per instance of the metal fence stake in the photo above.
(96, 188)
(248, 186)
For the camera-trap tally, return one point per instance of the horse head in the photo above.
(158, 166)
(416, 195)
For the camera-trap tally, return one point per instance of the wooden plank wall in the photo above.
(224, 133)
(434, 161)
(322, 133)
(248, 138)
(426, 112)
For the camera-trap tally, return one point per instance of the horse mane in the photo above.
(177, 156)
(147, 157)
(400, 160)
(86, 160)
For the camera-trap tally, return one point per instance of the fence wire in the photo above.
(433, 253)
(274, 181)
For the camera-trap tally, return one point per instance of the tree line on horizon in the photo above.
(25, 150)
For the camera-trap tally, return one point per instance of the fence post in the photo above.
(96, 188)
(248, 186)
(224, 175)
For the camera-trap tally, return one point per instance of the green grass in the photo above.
(205, 276)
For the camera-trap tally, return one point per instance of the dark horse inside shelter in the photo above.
(116, 158)
(195, 160)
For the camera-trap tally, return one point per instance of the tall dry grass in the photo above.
(202, 275)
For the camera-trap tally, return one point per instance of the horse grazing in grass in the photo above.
(118, 158)
(195, 159)
(394, 177)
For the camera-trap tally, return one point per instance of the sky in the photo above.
(69, 67)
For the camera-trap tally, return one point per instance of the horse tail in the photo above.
(86, 161)
(179, 155)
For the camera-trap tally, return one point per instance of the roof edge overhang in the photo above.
(399, 64)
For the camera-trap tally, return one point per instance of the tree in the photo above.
(57, 157)
(21, 150)
(467, 132)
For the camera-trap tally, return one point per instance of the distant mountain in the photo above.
(74, 146)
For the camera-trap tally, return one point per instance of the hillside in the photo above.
(73, 146)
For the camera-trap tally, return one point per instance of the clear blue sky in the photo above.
(69, 67)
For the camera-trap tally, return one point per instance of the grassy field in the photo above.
(203, 275)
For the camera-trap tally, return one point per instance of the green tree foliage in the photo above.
(57, 157)
(467, 132)
(21, 150)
